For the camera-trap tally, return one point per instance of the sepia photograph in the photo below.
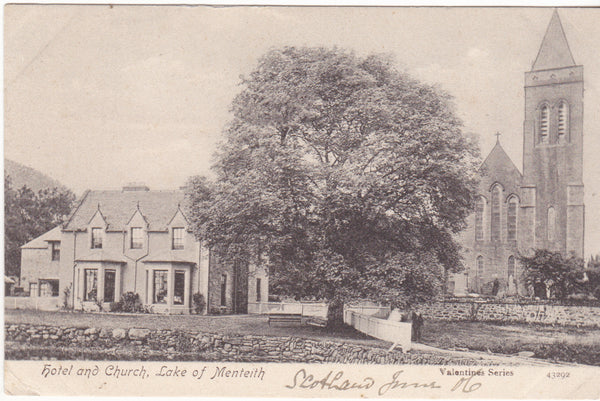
(301, 201)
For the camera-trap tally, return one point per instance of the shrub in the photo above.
(130, 302)
(199, 303)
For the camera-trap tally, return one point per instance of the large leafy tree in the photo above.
(28, 215)
(347, 177)
(551, 271)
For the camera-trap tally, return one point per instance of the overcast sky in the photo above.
(98, 96)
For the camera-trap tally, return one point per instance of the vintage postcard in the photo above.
(331, 202)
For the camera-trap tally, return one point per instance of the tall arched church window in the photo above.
(511, 218)
(563, 121)
(551, 223)
(544, 123)
(496, 213)
(479, 215)
(480, 269)
(511, 267)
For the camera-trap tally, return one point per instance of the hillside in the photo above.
(22, 175)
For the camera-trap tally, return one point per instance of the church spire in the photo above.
(554, 51)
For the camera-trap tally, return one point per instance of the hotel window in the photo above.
(511, 219)
(258, 293)
(479, 215)
(563, 121)
(55, 246)
(160, 287)
(137, 238)
(179, 293)
(109, 285)
(496, 213)
(90, 285)
(544, 123)
(223, 289)
(96, 238)
(551, 223)
(178, 236)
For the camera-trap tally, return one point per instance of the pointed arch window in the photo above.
(480, 269)
(479, 216)
(511, 218)
(563, 121)
(551, 223)
(544, 123)
(496, 233)
(511, 267)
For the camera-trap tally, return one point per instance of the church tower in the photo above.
(552, 209)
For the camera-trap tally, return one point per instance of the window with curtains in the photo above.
(496, 222)
(96, 238)
(137, 237)
(160, 291)
(90, 285)
(179, 290)
(178, 236)
(109, 285)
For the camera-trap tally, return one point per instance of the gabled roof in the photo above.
(169, 256)
(498, 159)
(554, 51)
(41, 242)
(102, 255)
(498, 167)
(117, 207)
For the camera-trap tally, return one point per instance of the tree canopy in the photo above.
(28, 215)
(344, 175)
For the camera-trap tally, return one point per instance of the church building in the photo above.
(542, 206)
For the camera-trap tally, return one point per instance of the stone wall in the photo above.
(25, 341)
(513, 312)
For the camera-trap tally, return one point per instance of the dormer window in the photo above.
(96, 238)
(137, 237)
(544, 124)
(178, 236)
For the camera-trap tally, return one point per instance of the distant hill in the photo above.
(22, 175)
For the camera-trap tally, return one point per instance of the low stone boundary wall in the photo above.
(513, 312)
(208, 346)
(37, 303)
(398, 333)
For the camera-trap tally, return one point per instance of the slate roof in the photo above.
(554, 51)
(117, 208)
(168, 256)
(41, 242)
(102, 255)
(498, 167)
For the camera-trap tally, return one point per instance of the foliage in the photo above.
(199, 302)
(129, 302)
(28, 215)
(345, 176)
(67, 297)
(551, 270)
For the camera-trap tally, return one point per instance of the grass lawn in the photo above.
(228, 324)
(567, 344)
